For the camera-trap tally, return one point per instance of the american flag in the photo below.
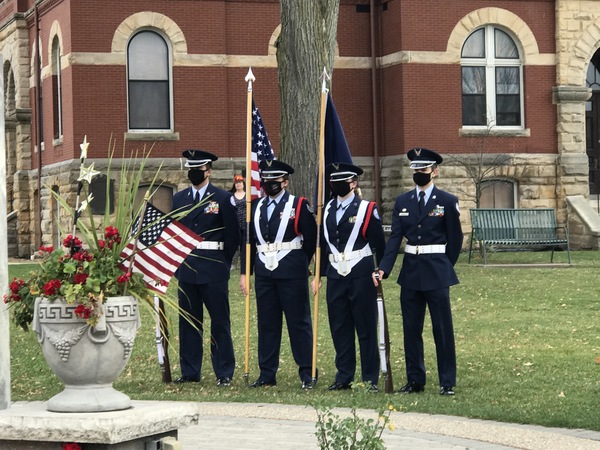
(162, 246)
(261, 149)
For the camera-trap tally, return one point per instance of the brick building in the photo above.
(510, 86)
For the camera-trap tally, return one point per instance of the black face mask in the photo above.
(272, 188)
(196, 176)
(340, 188)
(421, 179)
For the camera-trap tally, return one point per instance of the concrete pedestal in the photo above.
(30, 426)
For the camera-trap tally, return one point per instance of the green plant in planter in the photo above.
(87, 270)
(352, 432)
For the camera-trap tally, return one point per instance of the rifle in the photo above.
(384, 336)
(162, 340)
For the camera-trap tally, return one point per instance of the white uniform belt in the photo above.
(211, 245)
(349, 256)
(425, 249)
(277, 246)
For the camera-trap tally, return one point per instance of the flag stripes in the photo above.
(161, 248)
(261, 149)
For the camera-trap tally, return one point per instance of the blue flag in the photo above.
(336, 146)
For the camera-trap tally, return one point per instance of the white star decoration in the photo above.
(87, 173)
(85, 203)
(84, 146)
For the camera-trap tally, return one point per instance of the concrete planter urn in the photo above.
(87, 359)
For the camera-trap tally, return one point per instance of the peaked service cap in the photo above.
(420, 158)
(342, 171)
(271, 169)
(198, 158)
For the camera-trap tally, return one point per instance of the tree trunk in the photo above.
(306, 45)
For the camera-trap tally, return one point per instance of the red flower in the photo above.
(16, 285)
(101, 244)
(47, 249)
(71, 446)
(82, 255)
(110, 231)
(51, 287)
(71, 241)
(124, 278)
(82, 312)
(6, 300)
(80, 278)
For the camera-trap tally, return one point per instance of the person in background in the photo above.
(239, 197)
(283, 236)
(204, 275)
(429, 218)
(351, 233)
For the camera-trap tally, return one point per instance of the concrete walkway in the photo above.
(257, 426)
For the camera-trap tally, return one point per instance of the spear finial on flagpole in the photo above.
(324, 78)
(250, 79)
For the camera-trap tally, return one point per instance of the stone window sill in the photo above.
(151, 136)
(482, 132)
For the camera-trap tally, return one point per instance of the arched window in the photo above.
(56, 90)
(497, 194)
(492, 80)
(149, 82)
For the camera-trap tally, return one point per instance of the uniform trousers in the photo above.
(413, 304)
(352, 306)
(192, 299)
(274, 298)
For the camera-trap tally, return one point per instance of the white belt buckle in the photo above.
(343, 266)
(271, 262)
(416, 249)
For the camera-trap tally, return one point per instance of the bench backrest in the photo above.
(518, 224)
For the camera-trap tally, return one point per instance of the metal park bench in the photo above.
(522, 228)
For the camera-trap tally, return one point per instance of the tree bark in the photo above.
(306, 45)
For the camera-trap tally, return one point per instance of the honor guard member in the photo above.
(283, 236)
(351, 233)
(204, 275)
(429, 218)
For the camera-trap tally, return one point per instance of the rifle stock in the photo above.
(162, 340)
(383, 324)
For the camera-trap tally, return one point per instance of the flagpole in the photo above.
(162, 333)
(321, 170)
(249, 79)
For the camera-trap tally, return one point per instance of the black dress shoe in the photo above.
(446, 390)
(262, 383)
(309, 384)
(224, 381)
(339, 386)
(373, 389)
(186, 380)
(412, 387)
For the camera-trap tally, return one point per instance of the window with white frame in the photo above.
(149, 82)
(492, 80)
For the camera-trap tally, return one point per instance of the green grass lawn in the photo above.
(527, 339)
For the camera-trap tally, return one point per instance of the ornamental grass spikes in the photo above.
(88, 267)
